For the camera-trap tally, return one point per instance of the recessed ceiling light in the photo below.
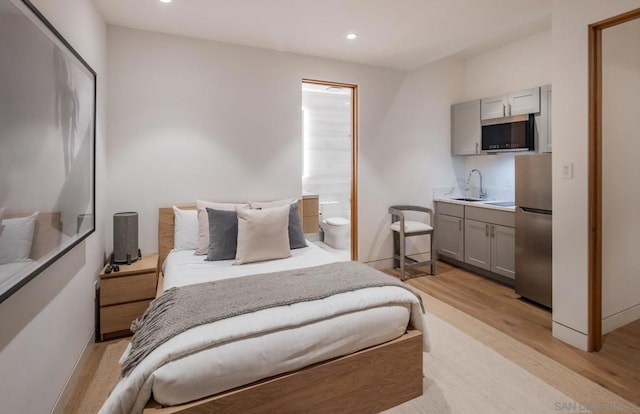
(165, 1)
(352, 36)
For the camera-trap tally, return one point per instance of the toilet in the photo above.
(335, 228)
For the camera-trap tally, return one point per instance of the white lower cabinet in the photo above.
(503, 250)
(449, 236)
(450, 230)
(478, 236)
(490, 247)
(477, 246)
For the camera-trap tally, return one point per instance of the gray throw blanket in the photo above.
(182, 308)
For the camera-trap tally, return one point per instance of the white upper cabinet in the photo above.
(466, 130)
(543, 121)
(515, 103)
(494, 107)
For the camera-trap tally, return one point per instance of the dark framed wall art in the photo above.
(47, 145)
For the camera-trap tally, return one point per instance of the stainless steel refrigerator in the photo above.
(533, 227)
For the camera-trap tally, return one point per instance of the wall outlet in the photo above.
(567, 170)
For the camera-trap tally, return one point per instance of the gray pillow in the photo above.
(223, 234)
(296, 235)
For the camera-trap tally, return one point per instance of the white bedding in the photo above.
(184, 268)
(250, 347)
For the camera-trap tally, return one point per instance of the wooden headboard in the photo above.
(166, 226)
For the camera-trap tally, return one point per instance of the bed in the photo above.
(357, 356)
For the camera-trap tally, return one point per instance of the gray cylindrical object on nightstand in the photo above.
(125, 237)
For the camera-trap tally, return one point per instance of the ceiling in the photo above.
(399, 34)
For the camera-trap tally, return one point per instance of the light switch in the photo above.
(567, 170)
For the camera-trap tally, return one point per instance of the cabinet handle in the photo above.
(493, 231)
(476, 147)
(460, 225)
(504, 110)
(486, 230)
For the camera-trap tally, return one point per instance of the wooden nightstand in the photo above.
(125, 295)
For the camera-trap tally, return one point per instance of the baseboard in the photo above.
(476, 270)
(73, 378)
(615, 321)
(381, 264)
(570, 336)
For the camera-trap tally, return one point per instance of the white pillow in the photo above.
(16, 238)
(202, 247)
(185, 236)
(262, 234)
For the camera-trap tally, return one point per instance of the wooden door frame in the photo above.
(354, 157)
(594, 339)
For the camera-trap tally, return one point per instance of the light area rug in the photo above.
(480, 370)
(512, 377)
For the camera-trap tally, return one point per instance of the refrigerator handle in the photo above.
(533, 210)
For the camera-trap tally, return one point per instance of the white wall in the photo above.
(46, 325)
(620, 191)
(411, 155)
(195, 119)
(570, 130)
(522, 64)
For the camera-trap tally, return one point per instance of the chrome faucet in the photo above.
(482, 193)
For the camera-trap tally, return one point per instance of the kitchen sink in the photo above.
(468, 199)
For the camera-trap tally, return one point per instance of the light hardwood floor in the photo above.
(616, 367)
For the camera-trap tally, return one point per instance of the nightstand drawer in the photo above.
(119, 317)
(127, 288)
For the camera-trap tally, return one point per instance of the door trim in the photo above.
(354, 158)
(594, 337)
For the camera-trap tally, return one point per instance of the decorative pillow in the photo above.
(262, 234)
(203, 222)
(296, 235)
(16, 238)
(223, 234)
(185, 236)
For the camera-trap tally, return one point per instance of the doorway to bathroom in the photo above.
(329, 174)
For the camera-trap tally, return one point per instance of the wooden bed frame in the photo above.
(371, 380)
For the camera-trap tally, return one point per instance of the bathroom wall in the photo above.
(327, 144)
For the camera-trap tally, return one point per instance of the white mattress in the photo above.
(254, 346)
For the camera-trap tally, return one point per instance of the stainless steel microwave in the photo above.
(515, 133)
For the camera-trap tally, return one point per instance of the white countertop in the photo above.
(482, 204)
